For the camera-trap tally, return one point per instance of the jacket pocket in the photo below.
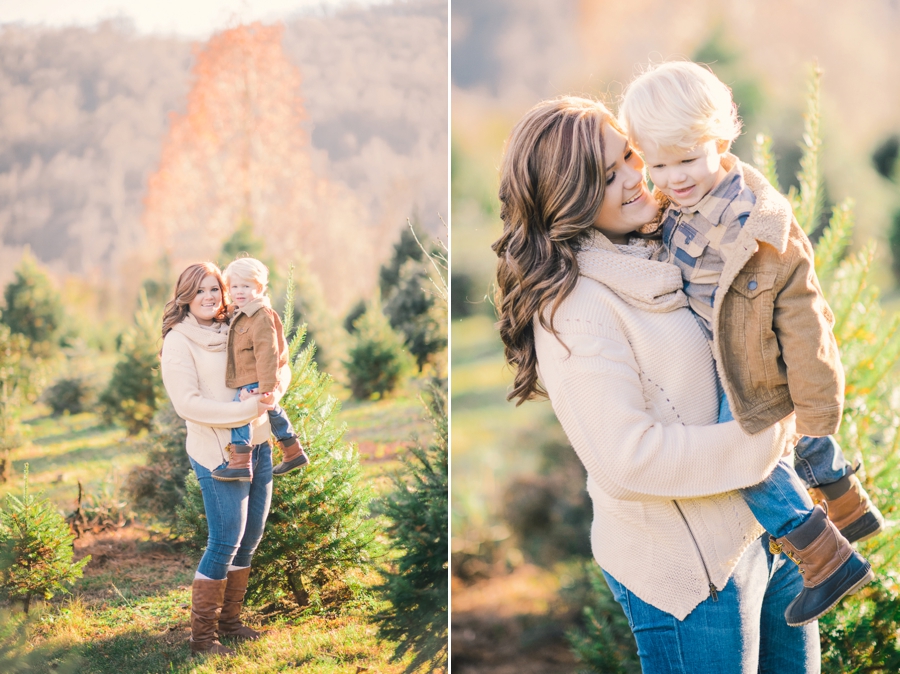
(753, 328)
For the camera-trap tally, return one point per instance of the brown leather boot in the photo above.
(230, 624)
(831, 569)
(239, 467)
(207, 597)
(293, 457)
(850, 508)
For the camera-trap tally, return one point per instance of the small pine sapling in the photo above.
(35, 549)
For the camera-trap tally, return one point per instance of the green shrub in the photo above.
(135, 389)
(605, 643)
(69, 394)
(33, 307)
(157, 488)
(377, 358)
(416, 582)
(35, 549)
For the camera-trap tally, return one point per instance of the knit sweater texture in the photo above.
(632, 381)
(193, 372)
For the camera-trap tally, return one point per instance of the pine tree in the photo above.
(35, 549)
(135, 389)
(416, 583)
(34, 307)
(378, 356)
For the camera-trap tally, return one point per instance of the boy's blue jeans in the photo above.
(743, 632)
(780, 502)
(281, 425)
(236, 514)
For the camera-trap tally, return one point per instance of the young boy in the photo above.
(749, 276)
(256, 351)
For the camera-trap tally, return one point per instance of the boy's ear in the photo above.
(722, 145)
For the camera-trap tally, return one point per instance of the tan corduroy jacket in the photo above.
(632, 381)
(773, 341)
(256, 346)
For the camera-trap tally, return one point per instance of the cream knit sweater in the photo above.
(193, 372)
(636, 395)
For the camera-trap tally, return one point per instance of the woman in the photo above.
(193, 358)
(590, 319)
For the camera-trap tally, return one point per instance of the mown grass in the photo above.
(130, 611)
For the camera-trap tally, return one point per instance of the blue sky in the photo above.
(191, 18)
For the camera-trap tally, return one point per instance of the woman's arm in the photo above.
(179, 375)
(600, 403)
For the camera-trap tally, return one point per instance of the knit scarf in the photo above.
(631, 272)
(211, 338)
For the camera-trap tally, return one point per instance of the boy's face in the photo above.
(243, 290)
(686, 176)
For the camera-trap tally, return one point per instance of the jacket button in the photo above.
(752, 285)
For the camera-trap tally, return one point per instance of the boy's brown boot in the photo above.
(831, 569)
(207, 597)
(238, 468)
(230, 624)
(293, 457)
(850, 508)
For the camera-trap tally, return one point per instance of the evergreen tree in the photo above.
(319, 526)
(35, 549)
(135, 389)
(407, 248)
(416, 583)
(34, 307)
(378, 357)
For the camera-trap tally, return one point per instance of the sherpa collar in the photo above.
(252, 307)
(771, 216)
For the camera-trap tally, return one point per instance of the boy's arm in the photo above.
(265, 350)
(803, 323)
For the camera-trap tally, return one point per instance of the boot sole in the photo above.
(866, 527)
(866, 579)
(292, 466)
(232, 479)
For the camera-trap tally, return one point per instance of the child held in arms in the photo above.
(256, 351)
(749, 277)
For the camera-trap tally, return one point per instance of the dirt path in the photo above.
(512, 624)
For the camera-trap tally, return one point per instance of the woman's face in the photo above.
(627, 203)
(207, 302)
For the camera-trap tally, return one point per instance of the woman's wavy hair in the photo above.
(552, 181)
(177, 309)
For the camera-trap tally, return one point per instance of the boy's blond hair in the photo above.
(678, 105)
(250, 269)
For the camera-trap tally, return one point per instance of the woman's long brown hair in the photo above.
(177, 308)
(552, 182)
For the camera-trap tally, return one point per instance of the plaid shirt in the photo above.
(698, 240)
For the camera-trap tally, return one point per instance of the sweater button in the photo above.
(752, 285)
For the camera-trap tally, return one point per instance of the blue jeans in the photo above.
(281, 425)
(236, 513)
(743, 632)
(780, 502)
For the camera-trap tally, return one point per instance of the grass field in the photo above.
(130, 611)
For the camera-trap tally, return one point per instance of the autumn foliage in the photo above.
(240, 152)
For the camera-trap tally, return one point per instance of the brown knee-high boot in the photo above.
(207, 597)
(230, 624)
